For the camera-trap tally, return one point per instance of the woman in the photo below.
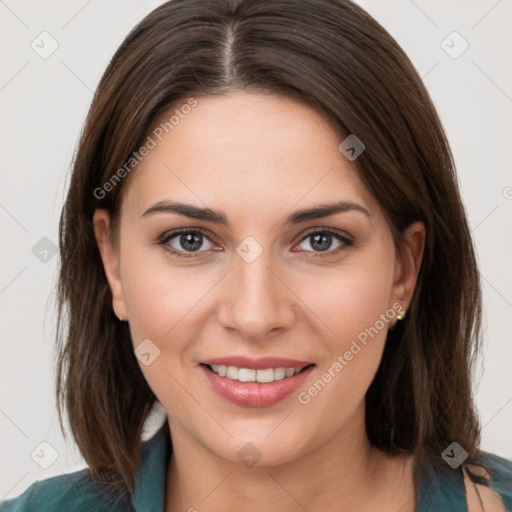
(264, 234)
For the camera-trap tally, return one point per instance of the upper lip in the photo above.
(261, 363)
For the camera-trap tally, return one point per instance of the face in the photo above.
(260, 284)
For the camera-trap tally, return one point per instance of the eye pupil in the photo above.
(193, 238)
(320, 238)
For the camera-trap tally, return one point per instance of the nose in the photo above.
(257, 300)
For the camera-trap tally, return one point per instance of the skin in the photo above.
(257, 158)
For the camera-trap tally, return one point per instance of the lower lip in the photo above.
(255, 394)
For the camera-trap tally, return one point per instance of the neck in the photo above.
(344, 473)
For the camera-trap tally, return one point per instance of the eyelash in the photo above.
(347, 242)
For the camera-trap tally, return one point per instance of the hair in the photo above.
(334, 57)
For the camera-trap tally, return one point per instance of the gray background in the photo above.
(44, 101)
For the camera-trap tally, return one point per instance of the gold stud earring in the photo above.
(401, 315)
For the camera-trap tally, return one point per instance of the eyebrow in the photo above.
(206, 214)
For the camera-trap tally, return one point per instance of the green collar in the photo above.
(150, 485)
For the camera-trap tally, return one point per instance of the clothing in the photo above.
(77, 492)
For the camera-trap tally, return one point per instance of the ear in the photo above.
(408, 264)
(110, 258)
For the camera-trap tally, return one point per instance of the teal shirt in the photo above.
(78, 492)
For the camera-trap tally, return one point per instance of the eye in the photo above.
(321, 241)
(183, 241)
(186, 242)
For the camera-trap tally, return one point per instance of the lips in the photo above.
(255, 394)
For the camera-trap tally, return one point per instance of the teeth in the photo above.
(279, 373)
(250, 375)
(246, 375)
(265, 375)
(232, 372)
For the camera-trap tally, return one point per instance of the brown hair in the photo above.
(333, 56)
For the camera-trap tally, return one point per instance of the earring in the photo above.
(401, 315)
(121, 319)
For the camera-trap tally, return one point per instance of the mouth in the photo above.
(265, 375)
(256, 387)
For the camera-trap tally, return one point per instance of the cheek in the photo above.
(352, 298)
(157, 295)
(160, 306)
(354, 304)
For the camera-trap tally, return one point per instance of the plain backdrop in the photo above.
(43, 104)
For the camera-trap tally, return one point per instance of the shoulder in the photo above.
(80, 492)
(496, 495)
(71, 492)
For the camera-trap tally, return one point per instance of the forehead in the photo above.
(254, 152)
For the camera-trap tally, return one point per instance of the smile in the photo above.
(251, 375)
(255, 387)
